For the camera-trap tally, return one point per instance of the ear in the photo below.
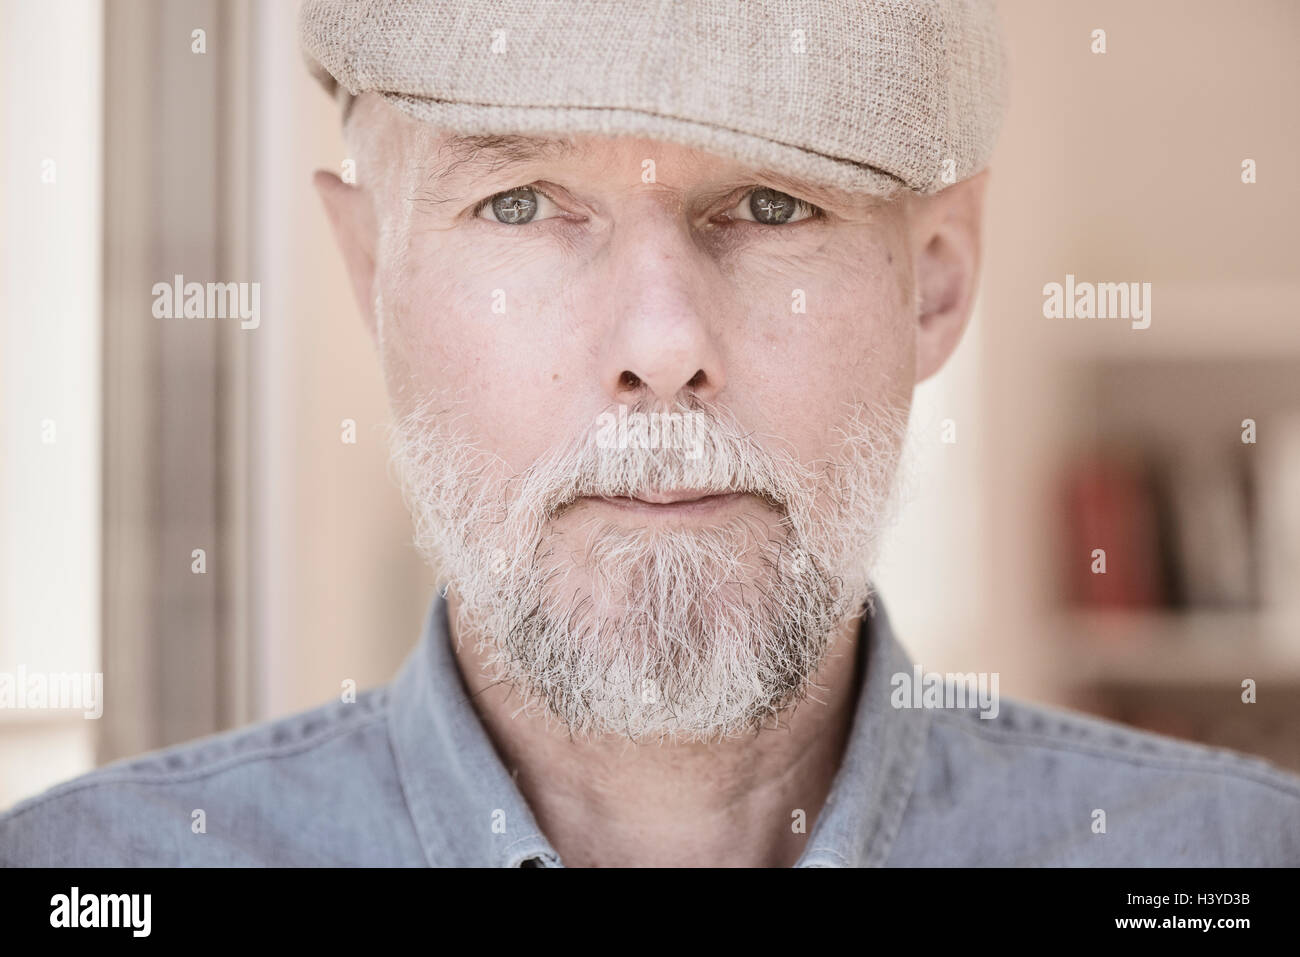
(352, 215)
(945, 234)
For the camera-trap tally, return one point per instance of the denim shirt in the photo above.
(407, 776)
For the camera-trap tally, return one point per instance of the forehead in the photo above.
(459, 154)
(456, 163)
(458, 158)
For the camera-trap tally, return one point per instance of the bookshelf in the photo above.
(1201, 530)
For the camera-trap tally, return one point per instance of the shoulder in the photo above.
(1041, 785)
(270, 793)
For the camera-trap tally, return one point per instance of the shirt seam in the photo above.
(105, 777)
(1208, 764)
(402, 774)
(918, 744)
(830, 851)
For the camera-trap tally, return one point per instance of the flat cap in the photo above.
(872, 95)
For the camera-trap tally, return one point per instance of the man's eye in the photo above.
(518, 206)
(773, 208)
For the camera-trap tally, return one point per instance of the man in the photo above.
(651, 285)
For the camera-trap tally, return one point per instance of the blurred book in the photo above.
(1211, 528)
(1110, 505)
(1277, 476)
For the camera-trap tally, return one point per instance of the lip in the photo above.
(678, 502)
(680, 496)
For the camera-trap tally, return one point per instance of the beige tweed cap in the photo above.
(872, 95)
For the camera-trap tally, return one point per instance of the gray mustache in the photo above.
(724, 458)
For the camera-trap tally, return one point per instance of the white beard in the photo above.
(694, 633)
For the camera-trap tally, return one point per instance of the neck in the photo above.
(745, 802)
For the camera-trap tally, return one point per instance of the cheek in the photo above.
(832, 329)
(492, 342)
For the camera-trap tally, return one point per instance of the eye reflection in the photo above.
(515, 207)
(774, 208)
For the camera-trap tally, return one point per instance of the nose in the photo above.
(663, 343)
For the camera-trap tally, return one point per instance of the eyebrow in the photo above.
(471, 157)
(468, 157)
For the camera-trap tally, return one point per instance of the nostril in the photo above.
(697, 380)
(629, 380)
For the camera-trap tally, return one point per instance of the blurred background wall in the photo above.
(1128, 166)
(200, 529)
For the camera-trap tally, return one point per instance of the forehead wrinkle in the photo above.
(473, 156)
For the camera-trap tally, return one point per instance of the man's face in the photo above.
(537, 313)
